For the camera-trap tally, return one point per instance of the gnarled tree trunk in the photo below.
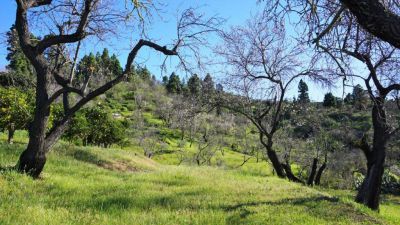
(33, 159)
(369, 192)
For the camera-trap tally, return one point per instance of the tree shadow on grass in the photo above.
(324, 207)
(5, 169)
(291, 201)
(86, 156)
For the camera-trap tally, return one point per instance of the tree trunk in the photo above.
(313, 171)
(33, 159)
(11, 131)
(369, 192)
(319, 174)
(289, 173)
(273, 157)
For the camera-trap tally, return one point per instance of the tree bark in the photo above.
(273, 157)
(319, 174)
(313, 172)
(374, 17)
(290, 175)
(369, 192)
(11, 131)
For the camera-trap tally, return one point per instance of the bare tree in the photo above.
(262, 65)
(347, 45)
(84, 19)
(357, 32)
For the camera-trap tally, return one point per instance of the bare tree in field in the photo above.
(381, 62)
(72, 23)
(262, 64)
(363, 33)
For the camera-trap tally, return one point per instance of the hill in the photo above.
(89, 185)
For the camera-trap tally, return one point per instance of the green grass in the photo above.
(112, 186)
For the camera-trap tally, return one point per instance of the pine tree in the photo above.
(360, 99)
(194, 85)
(303, 92)
(174, 84)
(329, 100)
(208, 84)
(21, 71)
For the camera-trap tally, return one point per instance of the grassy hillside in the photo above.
(112, 186)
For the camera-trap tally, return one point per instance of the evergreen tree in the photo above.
(194, 85)
(115, 65)
(144, 73)
(348, 99)
(360, 98)
(303, 92)
(21, 72)
(208, 84)
(165, 80)
(329, 100)
(174, 84)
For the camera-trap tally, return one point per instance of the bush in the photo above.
(96, 126)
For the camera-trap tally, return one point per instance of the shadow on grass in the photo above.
(4, 169)
(86, 156)
(327, 208)
(291, 201)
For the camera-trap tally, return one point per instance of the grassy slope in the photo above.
(110, 186)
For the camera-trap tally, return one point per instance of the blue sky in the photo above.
(236, 12)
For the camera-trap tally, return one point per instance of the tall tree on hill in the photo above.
(360, 97)
(77, 21)
(194, 85)
(174, 84)
(303, 92)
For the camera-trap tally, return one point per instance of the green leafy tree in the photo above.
(303, 92)
(95, 126)
(15, 111)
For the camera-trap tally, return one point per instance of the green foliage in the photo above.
(15, 109)
(194, 85)
(208, 87)
(330, 100)
(21, 72)
(96, 126)
(143, 73)
(303, 92)
(99, 68)
(390, 182)
(174, 84)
